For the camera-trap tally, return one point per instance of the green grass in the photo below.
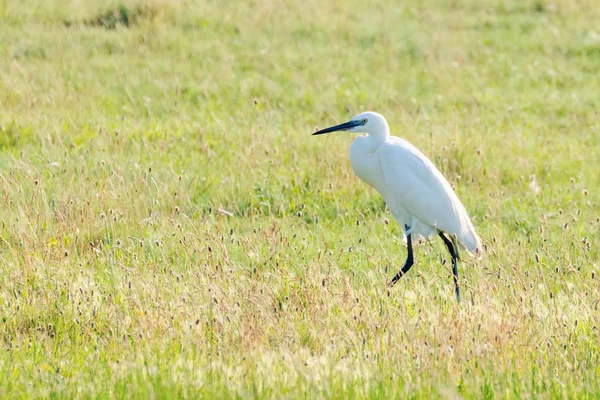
(169, 228)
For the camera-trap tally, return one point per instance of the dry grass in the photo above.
(170, 229)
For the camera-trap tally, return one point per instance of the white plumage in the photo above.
(417, 194)
(415, 191)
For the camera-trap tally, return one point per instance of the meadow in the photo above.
(169, 228)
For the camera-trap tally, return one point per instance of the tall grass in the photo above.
(169, 228)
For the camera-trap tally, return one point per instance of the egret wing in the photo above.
(416, 186)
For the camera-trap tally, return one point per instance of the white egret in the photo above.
(415, 191)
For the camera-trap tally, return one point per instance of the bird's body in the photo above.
(415, 191)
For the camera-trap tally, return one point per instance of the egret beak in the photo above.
(341, 127)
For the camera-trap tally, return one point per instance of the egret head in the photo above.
(371, 123)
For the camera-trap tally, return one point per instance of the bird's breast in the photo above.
(365, 163)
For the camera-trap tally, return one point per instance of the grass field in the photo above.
(169, 228)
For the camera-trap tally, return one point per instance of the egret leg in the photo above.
(454, 254)
(409, 260)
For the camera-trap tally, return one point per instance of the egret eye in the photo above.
(364, 121)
